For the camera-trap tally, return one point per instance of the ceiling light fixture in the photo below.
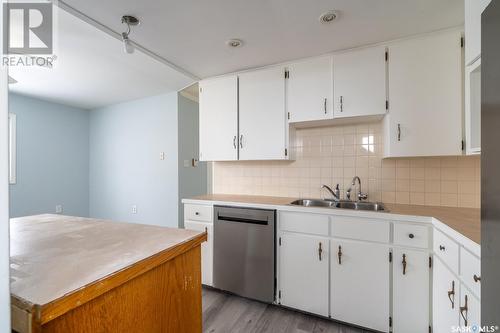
(234, 43)
(329, 16)
(129, 21)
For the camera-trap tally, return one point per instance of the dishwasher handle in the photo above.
(241, 220)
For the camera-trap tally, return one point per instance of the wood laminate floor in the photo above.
(224, 313)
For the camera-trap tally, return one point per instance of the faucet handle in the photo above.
(362, 196)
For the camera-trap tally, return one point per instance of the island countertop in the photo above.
(53, 256)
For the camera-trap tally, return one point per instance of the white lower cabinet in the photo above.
(470, 308)
(303, 272)
(445, 298)
(206, 249)
(410, 291)
(360, 284)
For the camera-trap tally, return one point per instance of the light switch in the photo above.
(134, 209)
(162, 156)
(59, 209)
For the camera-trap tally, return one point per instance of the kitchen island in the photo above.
(71, 274)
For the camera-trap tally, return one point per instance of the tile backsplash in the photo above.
(334, 155)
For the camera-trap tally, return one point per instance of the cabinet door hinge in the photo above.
(287, 74)
(286, 152)
(386, 55)
(387, 105)
(390, 256)
(430, 262)
(390, 321)
(288, 115)
(430, 329)
(279, 294)
(463, 145)
(279, 241)
(201, 89)
(462, 42)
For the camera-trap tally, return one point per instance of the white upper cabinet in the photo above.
(473, 11)
(219, 119)
(262, 117)
(473, 108)
(310, 90)
(425, 100)
(359, 83)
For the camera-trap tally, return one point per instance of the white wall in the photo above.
(125, 167)
(4, 198)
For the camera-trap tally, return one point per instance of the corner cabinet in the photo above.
(309, 90)
(425, 104)
(219, 119)
(359, 82)
(262, 119)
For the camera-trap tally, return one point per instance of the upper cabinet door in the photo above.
(219, 119)
(473, 11)
(310, 90)
(262, 119)
(425, 104)
(359, 83)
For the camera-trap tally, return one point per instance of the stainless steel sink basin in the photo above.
(313, 203)
(369, 206)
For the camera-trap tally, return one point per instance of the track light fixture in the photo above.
(129, 21)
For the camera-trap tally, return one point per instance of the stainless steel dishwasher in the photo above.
(244, 252)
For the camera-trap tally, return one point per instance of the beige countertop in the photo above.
(466, 221)
(53, 255)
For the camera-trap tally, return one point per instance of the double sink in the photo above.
(353, 205)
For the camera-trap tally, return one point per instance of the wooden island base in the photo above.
(159, 293)
(164, 299)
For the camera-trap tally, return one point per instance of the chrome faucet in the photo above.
(335, 193)
(360, 195)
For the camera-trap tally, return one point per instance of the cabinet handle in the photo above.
(452, 293)
(339, 254)
(404, 264)
(206, 229)
(234, 142)
(196, 213)
(341, 103)
(442, 248)
(320, 251)
(476, 278)
(399, 132)
(324, 106)
(411, 236)
(464, 309)
(241, 141)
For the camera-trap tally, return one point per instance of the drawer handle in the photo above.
(452, 293)
(404, 264)
(206, 230)
(442, 248)
(476, 278)
(196, 213)
(320, 250)
(339, 255)
(411, 236)
(464, 309)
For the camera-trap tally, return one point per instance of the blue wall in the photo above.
(125, 167)
(192, 180)
(52, 158)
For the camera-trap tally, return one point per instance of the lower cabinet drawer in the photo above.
(446, 249)
(307, 223)
(411, 235)
(360, 229)
(470, 271)
(203, 213)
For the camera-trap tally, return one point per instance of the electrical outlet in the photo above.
(134, 209)
(162, 156)
(59, 209)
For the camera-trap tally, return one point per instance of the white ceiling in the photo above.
(192, 33)
(92, 70)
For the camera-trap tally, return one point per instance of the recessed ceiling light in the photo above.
(234, 43)
(329, 16)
